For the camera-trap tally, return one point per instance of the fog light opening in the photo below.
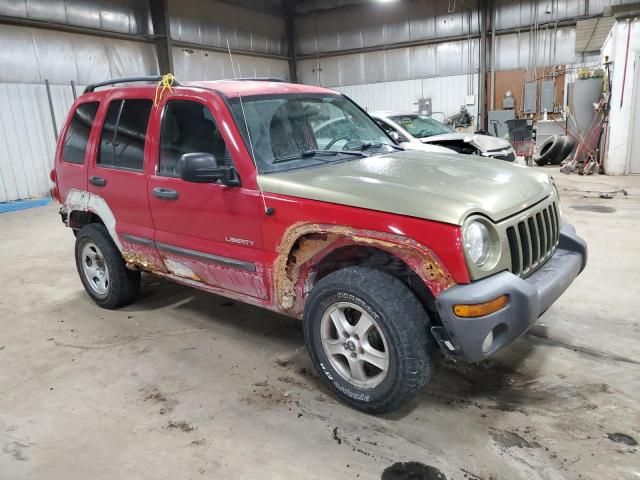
(494, 339)
(488, 342)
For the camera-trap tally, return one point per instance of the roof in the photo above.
(230, 88)
(233, 88)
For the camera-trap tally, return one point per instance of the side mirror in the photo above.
(202, 167)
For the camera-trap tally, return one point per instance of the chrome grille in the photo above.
(534, 239)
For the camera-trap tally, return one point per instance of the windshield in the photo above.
(420, 126)
(301, 130)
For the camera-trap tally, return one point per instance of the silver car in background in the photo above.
(414, 131)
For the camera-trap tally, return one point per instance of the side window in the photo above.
(124, 133)
(75, 141)
(189, 127)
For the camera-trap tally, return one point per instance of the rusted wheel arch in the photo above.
(305, 247)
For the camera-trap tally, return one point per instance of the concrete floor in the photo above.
(185, 385)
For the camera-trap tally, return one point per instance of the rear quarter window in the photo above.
(77, 137)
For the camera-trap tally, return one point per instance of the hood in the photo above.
(440, 187)
(485, 143)
(427, 147)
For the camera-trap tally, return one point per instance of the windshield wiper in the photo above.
(318, 153)
(368, 145)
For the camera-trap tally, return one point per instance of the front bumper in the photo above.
(528, 299)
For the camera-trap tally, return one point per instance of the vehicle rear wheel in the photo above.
(103, 272)
(367, 336)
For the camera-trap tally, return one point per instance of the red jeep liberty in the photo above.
(292, 198)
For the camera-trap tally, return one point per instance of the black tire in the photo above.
(567, 149)
(402, 321)
(123, 284)
(549, 150)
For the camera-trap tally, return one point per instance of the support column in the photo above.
(482, 81)
(161, 34)
(289, 8)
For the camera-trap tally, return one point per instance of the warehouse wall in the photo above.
(433, 42)
(130, 16)
(205, 65)
(447, 94)
(27, 138)
(213, 23)
(30, 55)
(620, 116)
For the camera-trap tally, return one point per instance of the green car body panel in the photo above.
(443, 188)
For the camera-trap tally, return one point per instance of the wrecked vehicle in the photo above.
(384, 254)
(414, 131)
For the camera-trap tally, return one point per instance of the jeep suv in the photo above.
(252, 190)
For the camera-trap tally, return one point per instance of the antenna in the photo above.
(232, 65)
(268, 211)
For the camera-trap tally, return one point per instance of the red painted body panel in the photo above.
(443, 239)
(211, 218)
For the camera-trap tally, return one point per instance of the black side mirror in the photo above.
(202, 167)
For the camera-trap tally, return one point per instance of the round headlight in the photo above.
(476, 242)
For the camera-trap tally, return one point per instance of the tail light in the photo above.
(55, 194)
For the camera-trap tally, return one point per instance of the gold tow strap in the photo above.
(163, 85)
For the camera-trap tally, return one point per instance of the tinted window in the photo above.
(189, 127)
(77, 137)
(124, 133)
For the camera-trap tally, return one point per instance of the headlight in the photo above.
(558, 203)
(476, 242)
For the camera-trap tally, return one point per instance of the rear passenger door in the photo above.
(117, 173)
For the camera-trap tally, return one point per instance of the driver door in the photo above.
(205, 232)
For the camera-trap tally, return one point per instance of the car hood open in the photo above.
(485, 143)
(440, 187)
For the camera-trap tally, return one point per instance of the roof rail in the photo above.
(149, 78)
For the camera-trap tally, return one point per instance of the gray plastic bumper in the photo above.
(528, 299)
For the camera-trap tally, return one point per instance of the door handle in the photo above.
(165, 193)
(97, 181)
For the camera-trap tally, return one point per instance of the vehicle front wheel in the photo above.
(366, 333)
(103, 272)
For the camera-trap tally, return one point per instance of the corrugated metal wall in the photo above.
(447, 94)
(343, 25)
(30, 55)
(213, 22)
(27, 138)
(121, 16)
(206, 65)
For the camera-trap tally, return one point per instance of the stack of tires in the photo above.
(554, 150)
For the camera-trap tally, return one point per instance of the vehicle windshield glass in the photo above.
(291, 131)
(421, 126)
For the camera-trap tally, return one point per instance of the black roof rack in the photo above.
(149, 78)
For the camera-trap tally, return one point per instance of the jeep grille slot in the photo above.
(533, 240)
